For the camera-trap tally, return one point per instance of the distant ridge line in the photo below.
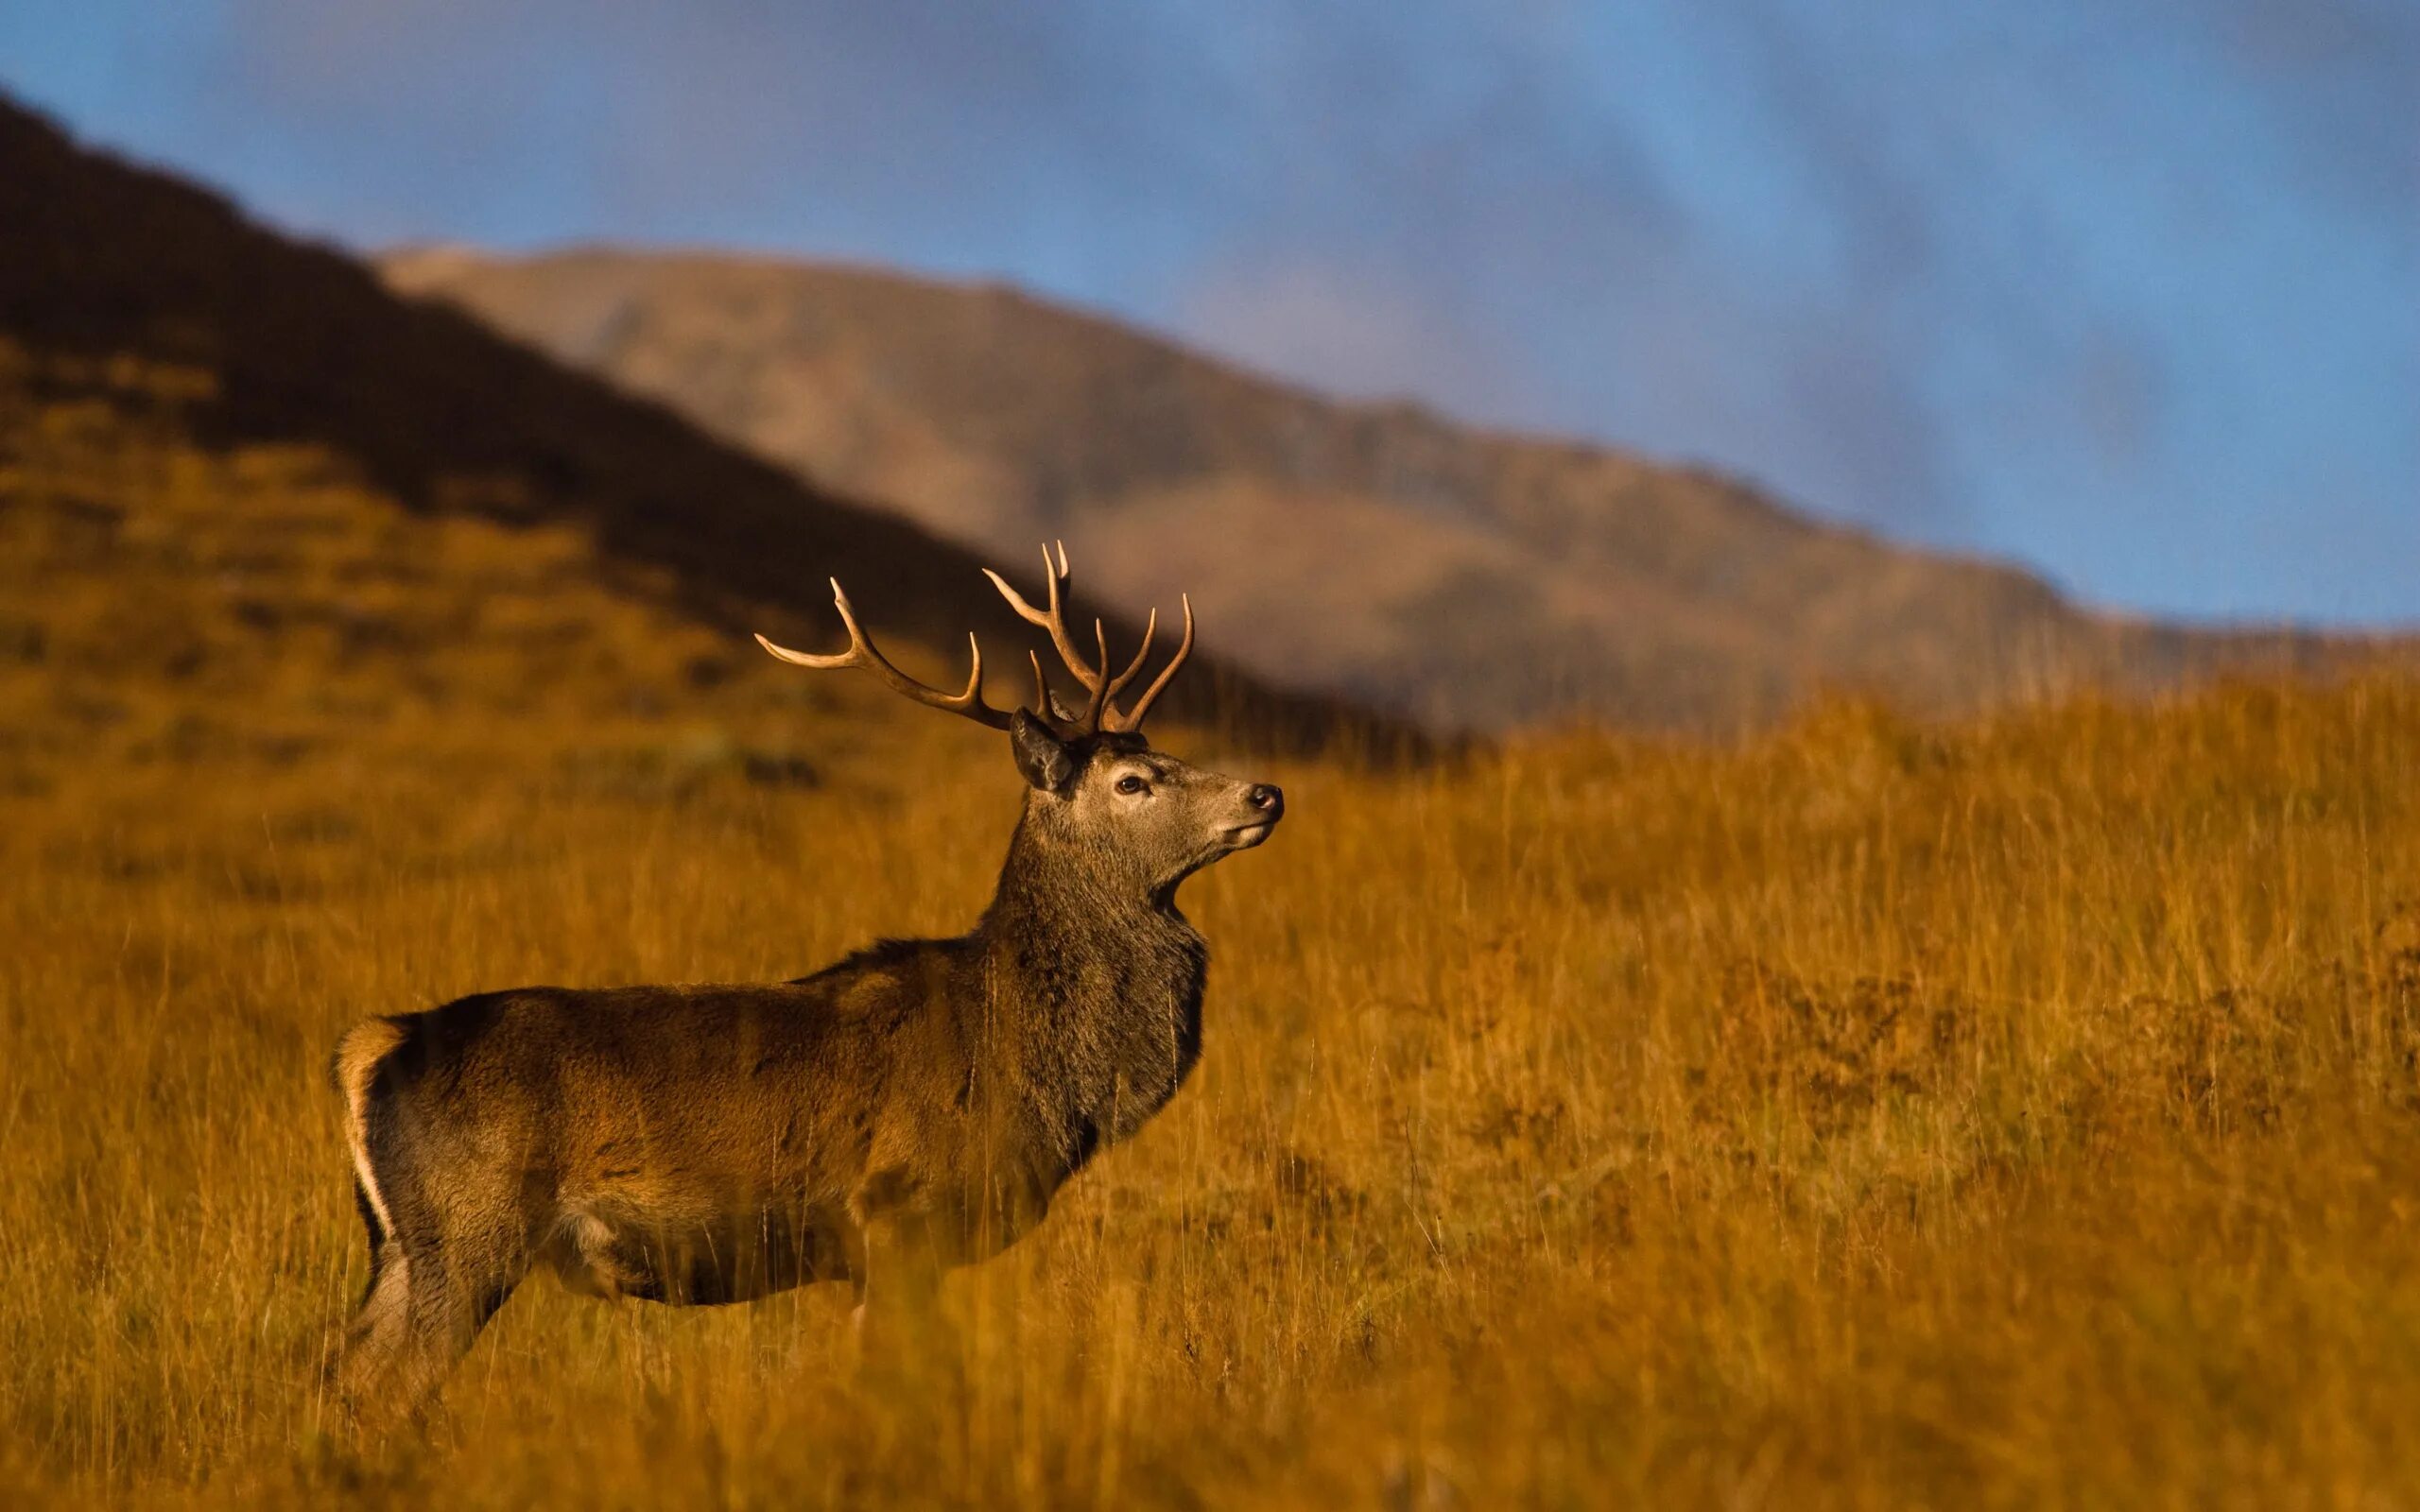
(1461, 576)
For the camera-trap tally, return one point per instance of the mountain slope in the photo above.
(1455, 574)
(177, 378)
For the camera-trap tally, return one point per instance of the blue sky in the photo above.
(2128, 290)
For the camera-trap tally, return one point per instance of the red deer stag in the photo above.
(911, 1109)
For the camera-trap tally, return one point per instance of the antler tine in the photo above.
(1132, 719)
(1099, 685)
(1046, 698)
(862, 653)
(1054, 619)
(1117, 684)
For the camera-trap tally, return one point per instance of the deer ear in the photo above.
(1042, 756)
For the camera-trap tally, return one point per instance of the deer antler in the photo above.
(1101, 710)
(862, 653)
(1101, 707)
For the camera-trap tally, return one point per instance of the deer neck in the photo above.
(1097, 991)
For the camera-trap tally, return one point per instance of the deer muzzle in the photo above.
(1264, 805)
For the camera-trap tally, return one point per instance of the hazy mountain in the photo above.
(233, 467)
(1456, 574)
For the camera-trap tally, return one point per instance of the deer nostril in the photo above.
(1265, 798)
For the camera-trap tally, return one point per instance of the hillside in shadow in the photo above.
(153, 333)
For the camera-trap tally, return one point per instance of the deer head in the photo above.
(1096, 788)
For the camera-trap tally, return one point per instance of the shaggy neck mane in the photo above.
(1096, 992)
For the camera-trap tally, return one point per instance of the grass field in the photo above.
(1868, 1114)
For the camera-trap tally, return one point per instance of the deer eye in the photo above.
(1131, 783)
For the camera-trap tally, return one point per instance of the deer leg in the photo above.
(450, 1301)
(899, 1288)
(375, 1335)
(429, 1297)
(900, 1334)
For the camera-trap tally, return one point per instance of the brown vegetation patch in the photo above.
(1829, 1052)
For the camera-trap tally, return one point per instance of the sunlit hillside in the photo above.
(1874, 1115)
(218, 616)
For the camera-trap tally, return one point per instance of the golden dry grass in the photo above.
(1870, 1114)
